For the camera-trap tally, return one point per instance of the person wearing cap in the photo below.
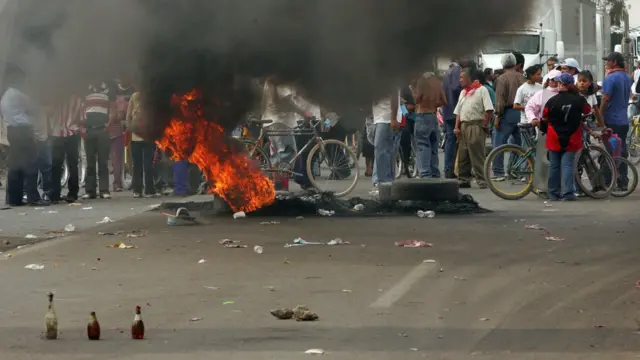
(534, 111)
(616, 90)
(562, 120)
(571, 66)
(507, 118)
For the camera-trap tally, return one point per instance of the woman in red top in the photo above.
(562, 117)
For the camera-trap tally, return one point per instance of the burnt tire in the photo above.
(420, 190)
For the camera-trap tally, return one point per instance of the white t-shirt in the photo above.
(382, 111)
(523, 94)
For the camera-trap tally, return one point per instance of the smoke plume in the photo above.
(344, 54)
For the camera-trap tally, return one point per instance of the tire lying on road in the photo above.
(419, 189)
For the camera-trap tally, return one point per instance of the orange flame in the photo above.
(233, 176)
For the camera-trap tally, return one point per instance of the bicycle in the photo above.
(318, 149)
(520, 166)
(590, 161)
(622, 191)
(633, 138)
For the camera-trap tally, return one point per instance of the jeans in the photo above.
(96, 147)
(65, 148)
(508, 127)
(450, 146)
(181, 178)
(561, 180)
(426, 135)
(45, 166)
(142, 155)
(22, 161)
(385, 144)
(623, 173)
(116, 154)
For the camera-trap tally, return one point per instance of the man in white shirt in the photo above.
(19, 113)
(385, 112)
(473, 113)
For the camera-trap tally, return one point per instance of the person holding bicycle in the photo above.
(562, 120)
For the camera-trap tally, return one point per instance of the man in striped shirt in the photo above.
(65, 121)
(97, 118)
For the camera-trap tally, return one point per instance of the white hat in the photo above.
(572, 63)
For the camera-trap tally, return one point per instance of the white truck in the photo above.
(560, 28)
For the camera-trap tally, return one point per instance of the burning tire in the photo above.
(335, 159)
(420, 190)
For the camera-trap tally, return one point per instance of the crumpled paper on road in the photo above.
(121, 245)
(413, 244)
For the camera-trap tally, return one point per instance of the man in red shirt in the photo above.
(562, 119)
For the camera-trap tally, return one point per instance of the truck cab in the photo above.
(535, 44)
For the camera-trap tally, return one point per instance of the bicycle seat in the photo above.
(262, 122)
(525, 125)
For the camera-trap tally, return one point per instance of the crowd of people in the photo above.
(471, 104)
(476, 105)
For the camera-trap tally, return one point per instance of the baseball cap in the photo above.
(566, 79)
(553, 74)
(614, 56)
(570, 62)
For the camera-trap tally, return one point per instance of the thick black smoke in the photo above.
(343, 53)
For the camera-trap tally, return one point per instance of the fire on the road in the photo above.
(202, 142)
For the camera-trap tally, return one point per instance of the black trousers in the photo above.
(65, 148)
(23, 169)
(142, 153)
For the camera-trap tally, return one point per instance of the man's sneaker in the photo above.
(70, 198)
(481, 185)
(136, 195)
(88, 196)
(41, 202)
(498, 178)
(167, 191)
(151, 196)
(105, 195)
(464, 185)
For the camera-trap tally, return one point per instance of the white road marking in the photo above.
(403, 286)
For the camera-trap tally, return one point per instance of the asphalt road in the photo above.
(489, 288)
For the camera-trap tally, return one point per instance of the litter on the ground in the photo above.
(194, 319)
(347, 291)
(75, 204)
(38, 208)
(484, 319)
(30, 236)
(282, 314)
(358, 207)
(106, 220)
(414, 349)
(426, 214)
(228, 302)
(258, 249)
(270, 288)
(413, 244)
(202, 261)
(429, 261)
(153, 206)
(52, 212)
(460, 278)
(548, 204)
(314, 352)
(121, 245)
(338, 241)
(302, 313)
(22, 214)
(88, 208)
(232, 244)
(102, 233)
(553, 238)
(137, 233)
(228, 241)
(270, 223)
(323, 212)
(212, 287)
(34, 267)
(534, 227)
(301, 242)
(299, 217)
(69, 228)
(239, 215)
(181, 217)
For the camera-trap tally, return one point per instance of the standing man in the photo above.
(43, 145)
(429, 97)
(552, 62)
(571, 66)
(385, 113)
(452, 89)
(66, 118)
(507, 118)
(97, 120)
(123, 92)
(473, 113)
(19, 113)
(616, 91)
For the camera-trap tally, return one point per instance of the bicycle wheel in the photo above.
(328, 168)
(257, 154)
(621, 189)
(518, 172)
(595, 166)
(634, 142)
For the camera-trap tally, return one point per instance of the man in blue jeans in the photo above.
(507, 118)
(429, 96)
(452, 89)
(386, 139)
(616, 90)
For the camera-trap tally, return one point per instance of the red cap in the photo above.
(138, 308)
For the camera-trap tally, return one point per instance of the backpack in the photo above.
(613, 144)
